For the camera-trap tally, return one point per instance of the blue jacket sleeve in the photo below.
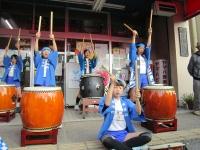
(148, 53)
(37, 59)
(6, 61)
(20, 62)
(103, 109)
(81, 59)
(133, 113)
(94, 62)
(53, 58)
(132, 54)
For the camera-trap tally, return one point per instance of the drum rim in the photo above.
(41, 89)
(7, 85)
(154, 87)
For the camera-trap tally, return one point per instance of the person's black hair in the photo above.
(14, 56)
(120, 83)
(85, 50)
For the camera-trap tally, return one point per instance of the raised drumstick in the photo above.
(128, 27)
(150, 21)
(9, 41)
(91, 42)
(19, 34)
(51, 23)
(39, 25)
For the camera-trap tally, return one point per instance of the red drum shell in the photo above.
(159, 102)
(42, 107)
(7, 101)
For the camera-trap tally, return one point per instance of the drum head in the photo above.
(155, 87)
(41, 89)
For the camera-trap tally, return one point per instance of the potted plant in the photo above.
(189, 100)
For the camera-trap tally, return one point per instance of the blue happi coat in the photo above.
(49, 69)
(17, 71)
(129, 111)
(82, 63)
(133, 57)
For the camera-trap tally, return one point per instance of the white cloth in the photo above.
(45, 65)
(11, 71)
(143, 69)
(87, 66)
(118, 122)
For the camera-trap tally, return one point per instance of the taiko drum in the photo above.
(42, 107)
(7, 98)
(159, 102)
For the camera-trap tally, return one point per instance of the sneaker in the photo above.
(76, 107)
(197, 112)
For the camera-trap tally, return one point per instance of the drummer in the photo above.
(117, 131)
(45, 63)
(141, 53)
(87, 61)
(13, 67)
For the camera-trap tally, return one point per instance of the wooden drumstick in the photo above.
(51, 23)
(9, 41)
(39, 25)
(128, 27)
(91, 42)
(150, 21)
(137, 76)
(19, 34)
(83, 44)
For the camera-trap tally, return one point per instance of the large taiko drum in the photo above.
(91, 86)
(42, 108)
(159, 102)
(7, 98)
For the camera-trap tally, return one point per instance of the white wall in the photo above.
(181, 80)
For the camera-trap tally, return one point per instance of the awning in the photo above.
(192, 8)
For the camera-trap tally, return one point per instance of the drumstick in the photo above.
(9, 41)
(39, 25)
(128, 27)
(91, 42)
(150, 21)
(19, 33)
(137, 76)
(51, 23)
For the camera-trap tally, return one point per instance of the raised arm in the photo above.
(133, 49)
(149, 37)
(37, 37)
(51, 36)
(110, 91)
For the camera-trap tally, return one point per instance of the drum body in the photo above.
(159, 102)
(42, 107)
(7, 98)
(91, 86)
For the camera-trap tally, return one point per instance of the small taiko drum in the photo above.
(159, 102)
(7, 98)
(42, 108)
(91, 86)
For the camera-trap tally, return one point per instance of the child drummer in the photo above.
(87, 61)
(117, 131)
(13, 67)
(45, 63)
(140, 52)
